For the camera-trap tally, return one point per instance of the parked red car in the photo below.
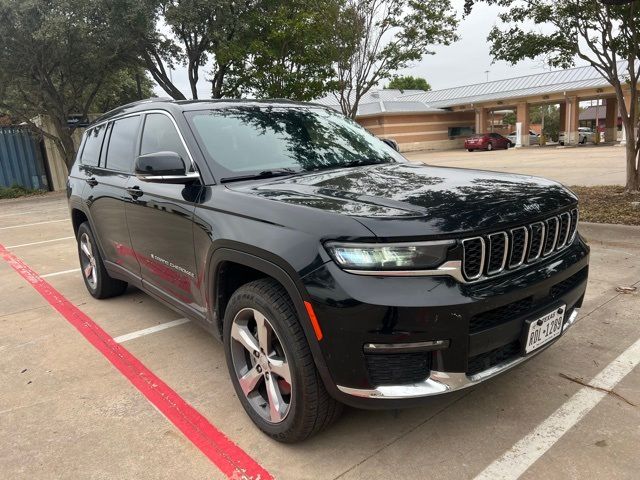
(486, 141)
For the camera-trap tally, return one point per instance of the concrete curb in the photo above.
(611, 234)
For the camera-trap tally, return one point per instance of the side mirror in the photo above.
(392, 143)
(163, 167)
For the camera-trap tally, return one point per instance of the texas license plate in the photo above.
(544, 329)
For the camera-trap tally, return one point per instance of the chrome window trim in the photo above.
(504, 255)
(546, 252)
(525, 249)
(482, 258)
(143, 113)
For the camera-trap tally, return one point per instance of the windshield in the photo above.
(253, 139)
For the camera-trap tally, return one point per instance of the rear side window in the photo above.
(92, 146)
(122, 143)
(160, 135)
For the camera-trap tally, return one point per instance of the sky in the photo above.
(462, 63)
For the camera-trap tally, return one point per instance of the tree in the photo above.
(126, 86)
(291, 49)
(55, 58)
(606, 36)
(408, 82)
(391, 35)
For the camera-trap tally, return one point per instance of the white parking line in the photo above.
(32, 224)
(38, 243)
(29, 212)
(147, 331)
(513, 463)
(63, 272)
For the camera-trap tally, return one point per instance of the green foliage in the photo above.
(16, 191)
(392, 34)
(55, 57)
(407, 82)
(292, 55)
(126, 86)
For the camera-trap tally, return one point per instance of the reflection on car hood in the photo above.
(413, 199)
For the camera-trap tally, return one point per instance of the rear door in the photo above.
(106, 193)
(160, 218)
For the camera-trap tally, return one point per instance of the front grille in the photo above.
(398, 368)
(499, 251)
(484, 361)
(568, 284)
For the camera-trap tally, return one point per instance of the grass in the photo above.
(16, 191)
(608, 204)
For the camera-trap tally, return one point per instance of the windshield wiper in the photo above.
(279, 172)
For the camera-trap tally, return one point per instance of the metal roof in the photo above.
(512, 88)
(373, 95)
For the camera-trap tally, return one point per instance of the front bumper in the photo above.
(443, 382)
(473, 329)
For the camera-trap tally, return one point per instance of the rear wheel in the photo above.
(271, 366)
(489, 147)
(470, 149)
(96, 278)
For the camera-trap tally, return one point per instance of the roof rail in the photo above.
(117, 110)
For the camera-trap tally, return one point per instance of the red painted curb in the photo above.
(226, 455)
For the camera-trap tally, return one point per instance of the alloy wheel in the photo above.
(88, 261)
(261, 365)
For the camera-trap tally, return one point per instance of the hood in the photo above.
(407, 200)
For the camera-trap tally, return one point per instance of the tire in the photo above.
(94, 274)
(489, 147)
(310, 408)
(470, 149)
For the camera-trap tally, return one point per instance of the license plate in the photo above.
(544, 329)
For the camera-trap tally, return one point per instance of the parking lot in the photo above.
(581, 165)
(68, 411)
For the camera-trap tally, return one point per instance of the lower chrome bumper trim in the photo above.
(442, 382)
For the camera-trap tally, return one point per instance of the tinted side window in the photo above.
(122, 143)
(160, 135)
(92, 145)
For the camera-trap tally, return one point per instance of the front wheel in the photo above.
(271, 366)
(489, 147)
(470, 149)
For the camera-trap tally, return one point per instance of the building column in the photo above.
(563, 115)
(611, 121)
(627, 102)
(572, 121)
(522, 116)
(481, 120)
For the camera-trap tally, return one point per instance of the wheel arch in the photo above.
(225, 256)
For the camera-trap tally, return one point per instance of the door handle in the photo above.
(135, 191)
(92, 181)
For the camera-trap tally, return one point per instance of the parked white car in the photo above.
(534, 138)
(585, 134)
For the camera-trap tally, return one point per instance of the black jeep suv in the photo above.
(333, 270)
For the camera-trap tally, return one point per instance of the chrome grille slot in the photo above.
(473, 257)
(573, 228)
(563, 231)
(537, 241)
(551, 237)
(497, 256)
(496, 252)
(519, 242)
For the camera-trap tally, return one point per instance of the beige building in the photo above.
(441, 119)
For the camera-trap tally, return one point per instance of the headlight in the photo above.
(389, 256)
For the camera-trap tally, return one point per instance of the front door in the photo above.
(160, 215)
